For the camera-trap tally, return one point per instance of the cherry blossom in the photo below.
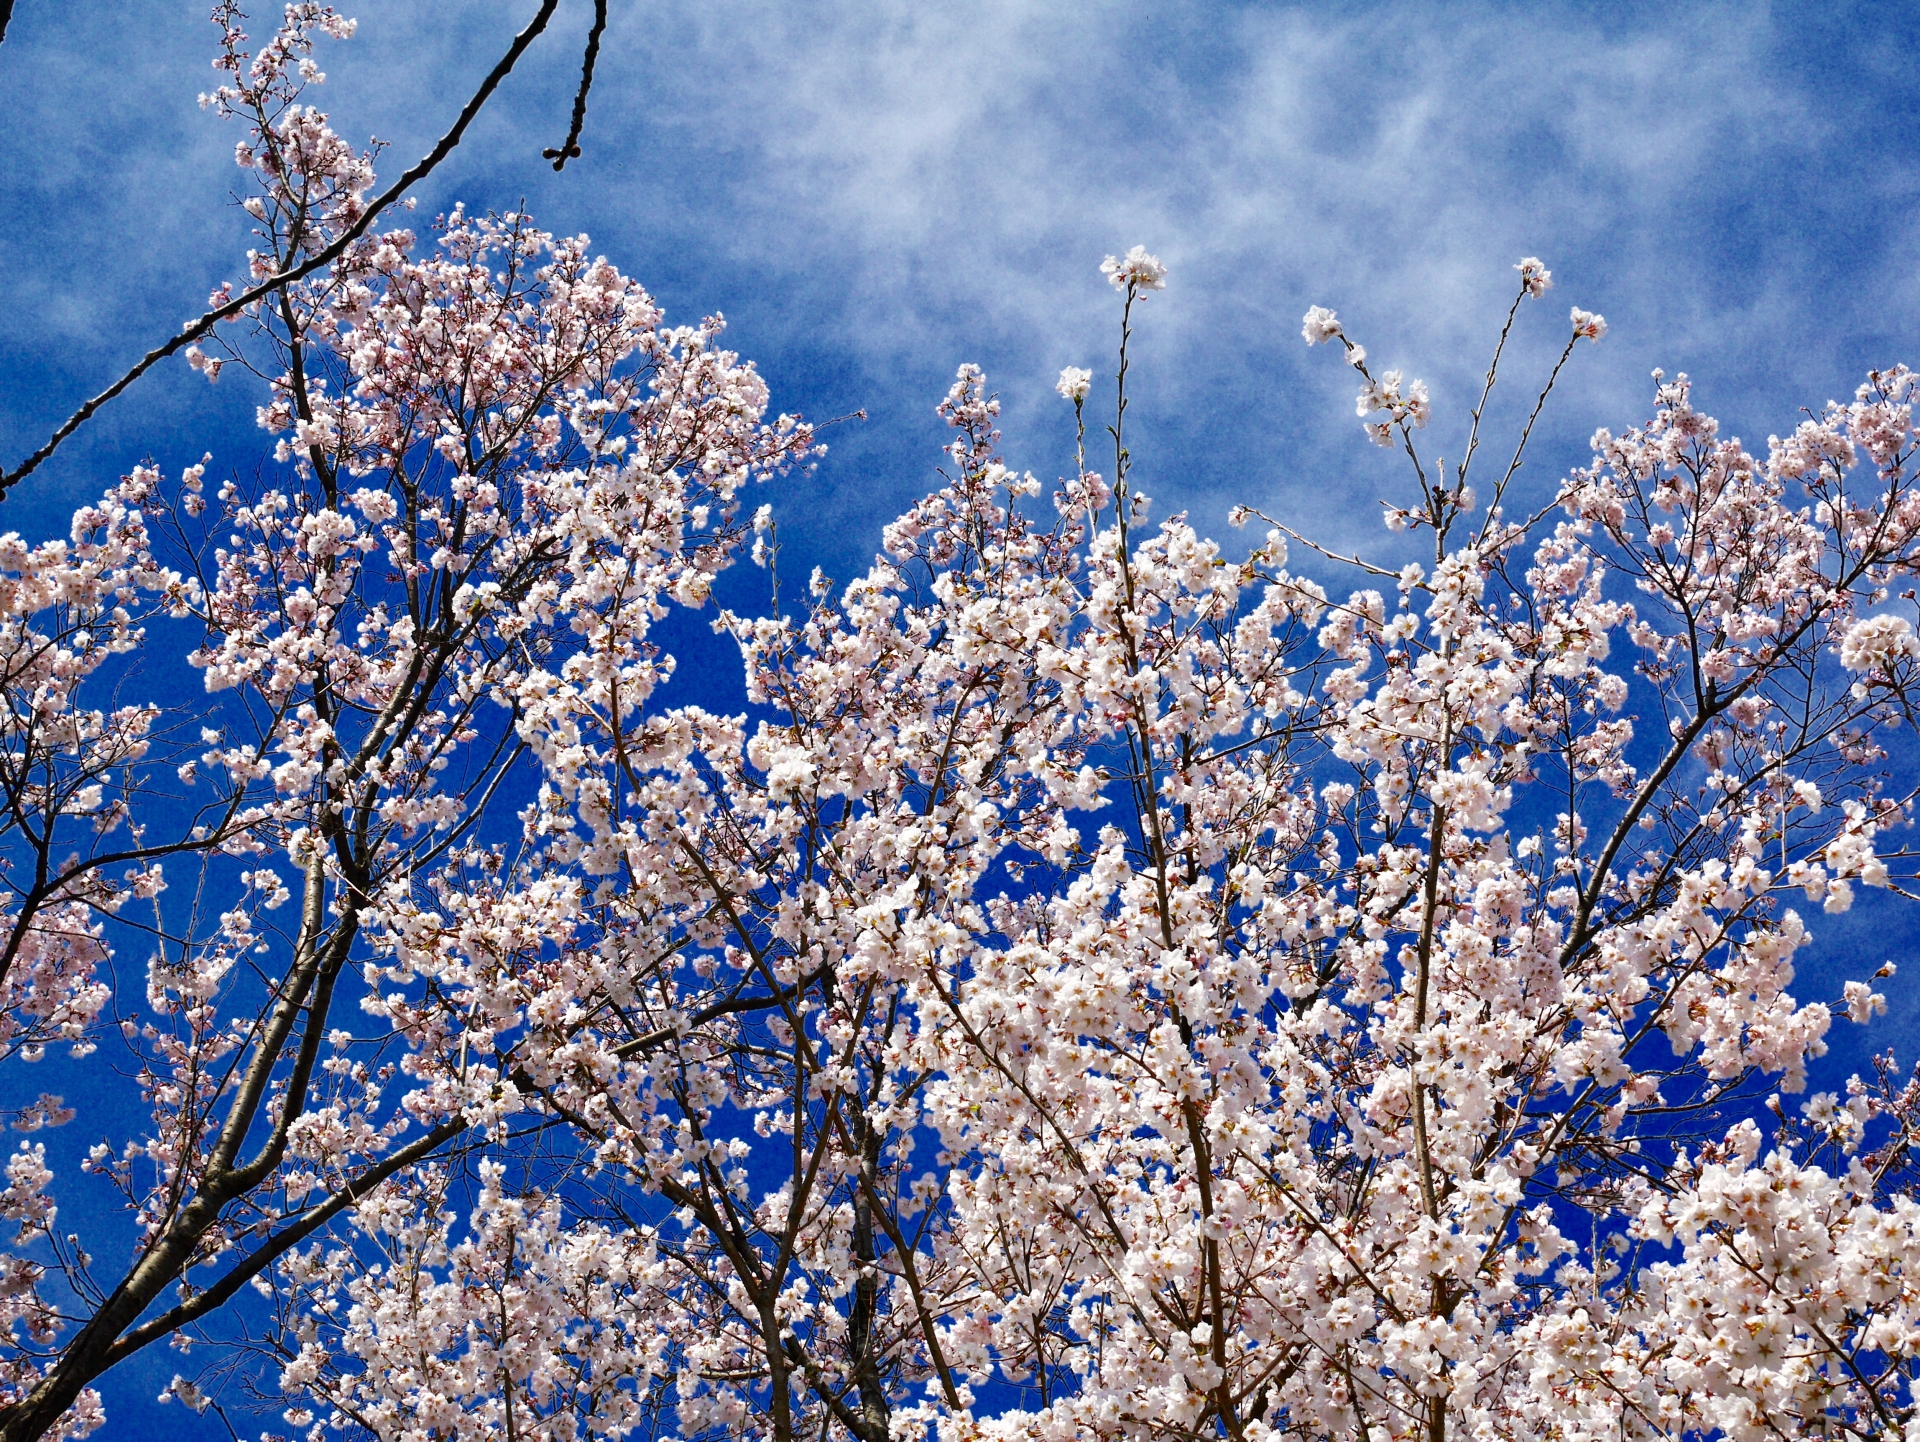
(1135, 272)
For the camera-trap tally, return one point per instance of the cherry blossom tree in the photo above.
(496, 464)
(1100, 987)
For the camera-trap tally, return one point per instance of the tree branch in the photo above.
(570, 148)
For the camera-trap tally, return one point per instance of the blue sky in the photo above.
(876, 193)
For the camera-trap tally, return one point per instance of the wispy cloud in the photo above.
(876, 192)
(923, 184)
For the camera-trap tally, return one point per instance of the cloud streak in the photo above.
(874, 193)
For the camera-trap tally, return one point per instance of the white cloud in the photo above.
(930, 181)
(880, 191)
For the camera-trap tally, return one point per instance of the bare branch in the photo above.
(570, 148)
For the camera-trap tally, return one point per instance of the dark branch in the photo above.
(571, 148)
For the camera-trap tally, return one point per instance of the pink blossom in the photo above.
(1136, 272)
(1320, 324)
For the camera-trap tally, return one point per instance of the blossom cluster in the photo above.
(1103, 985)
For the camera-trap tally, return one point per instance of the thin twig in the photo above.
(1526, 432)
(571, 148)
(1493, 371)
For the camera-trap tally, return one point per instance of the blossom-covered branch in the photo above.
(1104, 984)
